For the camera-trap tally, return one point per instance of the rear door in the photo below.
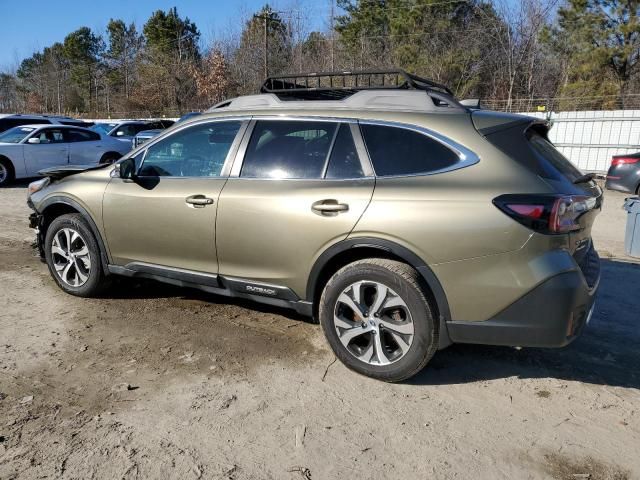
(301, 187)
(85, 147)
(52, 151)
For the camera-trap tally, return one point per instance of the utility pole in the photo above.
(266, 17)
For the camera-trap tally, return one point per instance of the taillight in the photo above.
(623, 161)
(550, 214)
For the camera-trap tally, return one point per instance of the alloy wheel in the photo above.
(373, 323)
(71, 257)
(4, 173)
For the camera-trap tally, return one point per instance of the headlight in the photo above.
(37, 185)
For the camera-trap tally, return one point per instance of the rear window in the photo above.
(399, 151)
(533, 150)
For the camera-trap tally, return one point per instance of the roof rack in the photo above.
(338, 85)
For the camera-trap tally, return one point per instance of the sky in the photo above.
(27, 28)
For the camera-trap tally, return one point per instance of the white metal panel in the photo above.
(590, 138)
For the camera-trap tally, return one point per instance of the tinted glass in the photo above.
(546, 152)
(81, 136)
(103, 127)
(344, 161)
(288, 149)
(7, 123)
(198, 151)
(130, 130)
(16, 134)
(398, 151)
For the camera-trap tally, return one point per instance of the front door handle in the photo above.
(199, 201)
(329, 207)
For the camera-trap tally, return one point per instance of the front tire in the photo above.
(73, 256)
(6, 172)
(109, 158)
(377, 319)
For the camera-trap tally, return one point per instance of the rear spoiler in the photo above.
(488, 122)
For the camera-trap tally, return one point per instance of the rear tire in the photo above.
(73, 256)
(377, 319)
(7, 174)
(109, 158)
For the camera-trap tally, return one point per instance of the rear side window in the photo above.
(399, 151)
(81, 136)
(344, 161)
(288, 149)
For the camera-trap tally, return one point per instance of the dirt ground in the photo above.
(161, 382)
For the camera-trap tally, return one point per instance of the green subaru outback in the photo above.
(401, 219)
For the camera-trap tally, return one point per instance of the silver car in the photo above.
(27, 149)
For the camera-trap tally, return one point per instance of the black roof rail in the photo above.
(338, 85)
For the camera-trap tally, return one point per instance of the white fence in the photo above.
(589, 139)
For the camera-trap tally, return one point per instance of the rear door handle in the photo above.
(328, 207)
(199, 201)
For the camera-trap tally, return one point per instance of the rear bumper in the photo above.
(619, 184)
(551, 315)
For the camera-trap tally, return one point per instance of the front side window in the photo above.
(50, 135)
(197, 151)
(288, 149)
(399, 151)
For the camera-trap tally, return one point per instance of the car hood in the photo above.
(66, 170)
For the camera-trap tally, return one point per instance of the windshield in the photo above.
(15, 134)
(103, 127)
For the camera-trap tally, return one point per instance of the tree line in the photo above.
(519, 56)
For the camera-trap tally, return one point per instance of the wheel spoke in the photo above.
(65, 273)
(382, 356)
(81, 276)
(381, 296)
(82, 252)
(403, 328)
(74, 237)
(58, 251)
(346, 300)
(60, 266)
(368, 354)
(352, 333)
(342, 323)
(404, 346)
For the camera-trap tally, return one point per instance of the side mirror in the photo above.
(34, 140)
(127, 169)
(119, 133)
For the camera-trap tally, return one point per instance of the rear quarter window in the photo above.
(397, 151)
(533, 150)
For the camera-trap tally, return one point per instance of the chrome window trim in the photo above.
(465, 156)
(226, 166)
(355, 133)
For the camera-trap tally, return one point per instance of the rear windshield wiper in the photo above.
(587, 177)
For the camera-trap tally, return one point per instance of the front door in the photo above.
(301, 187)
(166, 218)
(52, 151)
